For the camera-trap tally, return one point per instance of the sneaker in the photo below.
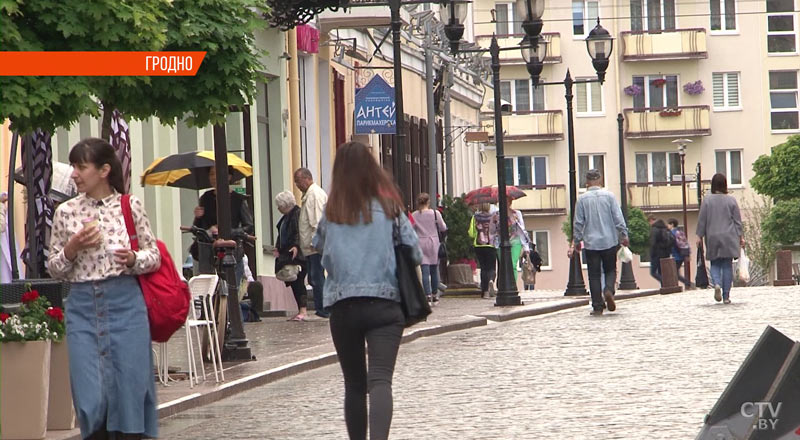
(726, 301)
(596, 312)
(608, 295)
(442, 287)
(486, 295)
(717, 293)
(492, 291)
(435, 301)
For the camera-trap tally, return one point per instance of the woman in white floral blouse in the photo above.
(108, 335)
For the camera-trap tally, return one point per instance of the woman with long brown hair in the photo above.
(355, 237)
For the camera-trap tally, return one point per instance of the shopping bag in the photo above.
(743, 268)
(624, 254)
(701, 279)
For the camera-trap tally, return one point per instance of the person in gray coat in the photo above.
(720, 223)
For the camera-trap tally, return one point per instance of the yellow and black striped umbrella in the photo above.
(190, 170)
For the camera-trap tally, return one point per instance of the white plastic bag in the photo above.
(743, 267)
(624, 255)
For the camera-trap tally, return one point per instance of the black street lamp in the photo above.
(507, 294)
(599, 44)
(682, 152)
(626, 278)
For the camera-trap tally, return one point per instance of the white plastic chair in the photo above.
(203, 289)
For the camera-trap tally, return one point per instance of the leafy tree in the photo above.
(778, 175)
(222, 28)
(782, 225)
(759, 245)
(457, 215)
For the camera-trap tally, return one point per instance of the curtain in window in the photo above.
(523, 89)
(636, 15)
(540, 170)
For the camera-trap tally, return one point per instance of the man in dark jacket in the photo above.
(661, 243)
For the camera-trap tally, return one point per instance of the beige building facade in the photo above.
(744, 54)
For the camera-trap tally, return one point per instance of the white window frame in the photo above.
(785, 110)
(515, 171)
(725, 88)
(593, 166)
(722, 7)
(646, 16)
(649, 155)
(511, 18)
(792, 14)
(513, 87)
(646, 88)
(588, 23)
(728, 165)
(532, 237)
(589, 113)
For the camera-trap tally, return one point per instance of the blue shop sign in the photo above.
(375, 108)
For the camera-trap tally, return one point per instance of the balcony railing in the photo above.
(543, 125)
(543, 199)
(651, 122)
(666, 196)
(664, 45)
(514, 56)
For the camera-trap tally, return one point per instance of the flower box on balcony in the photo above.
(658, 82)
(670, 112)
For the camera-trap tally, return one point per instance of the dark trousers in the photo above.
(681, 278)
(299, 288)
(487, 259)
(379, 323)
(599, 263)
(316, 278)
(655, 267)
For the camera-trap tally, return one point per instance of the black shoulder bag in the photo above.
(412, 298)
(442, 253)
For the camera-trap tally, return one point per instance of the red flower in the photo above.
(4, 316)
(55, 313)
(30, 296)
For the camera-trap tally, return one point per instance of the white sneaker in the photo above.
(717, 293)
(492, 291)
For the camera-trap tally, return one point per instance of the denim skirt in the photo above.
(110, 357)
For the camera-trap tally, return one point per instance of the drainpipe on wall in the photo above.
(294, 108)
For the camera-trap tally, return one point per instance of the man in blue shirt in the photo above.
(599, 227)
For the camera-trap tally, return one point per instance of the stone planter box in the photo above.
(60, 411)
(24, 387)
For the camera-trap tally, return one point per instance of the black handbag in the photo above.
(701, 279)
(413, 300)
(442, 253)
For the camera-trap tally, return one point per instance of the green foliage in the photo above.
(222, 28)
(638, 230)
(782, 225)
(35, 320)
(778, 175)
(759, 245)
(457, 216)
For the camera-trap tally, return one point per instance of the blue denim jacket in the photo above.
(360, 258)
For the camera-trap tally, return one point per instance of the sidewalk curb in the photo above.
(507, 314)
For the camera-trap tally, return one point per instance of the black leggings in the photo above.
(380, 323)
(299, 288)
(487, 258)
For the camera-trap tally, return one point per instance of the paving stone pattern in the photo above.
(651, 370)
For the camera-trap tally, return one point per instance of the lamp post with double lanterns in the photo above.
(534, 50)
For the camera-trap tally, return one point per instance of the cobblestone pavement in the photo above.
(651, 370)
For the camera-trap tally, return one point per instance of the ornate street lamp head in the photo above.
(453, 13)
(530, 12)
(534, 51)
(599, 43)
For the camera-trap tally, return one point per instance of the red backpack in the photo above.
(167, 297)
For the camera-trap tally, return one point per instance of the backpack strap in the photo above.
(128, 216)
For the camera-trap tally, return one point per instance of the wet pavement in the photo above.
(651, 370)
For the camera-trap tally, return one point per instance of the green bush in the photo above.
(457, 215)
(782, 224)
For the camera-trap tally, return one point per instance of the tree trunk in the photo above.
(105, 129)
